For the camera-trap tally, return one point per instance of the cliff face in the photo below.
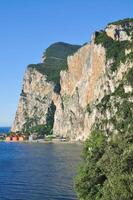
(34, 102)
(84, 82)
(40, 83)
(77, 90)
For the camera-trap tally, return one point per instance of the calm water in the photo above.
(38, 171)
(4, 129)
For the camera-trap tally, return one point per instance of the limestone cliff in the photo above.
(40, 82)
(34, 100)
(84, 85)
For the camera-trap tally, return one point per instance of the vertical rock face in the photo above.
(40, 83)
(34, 102)
(78, 80)
(85, 68)
(117, 31)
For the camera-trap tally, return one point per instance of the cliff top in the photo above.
(122, 22)
(54, 60)
(117, 38)
(60, 50)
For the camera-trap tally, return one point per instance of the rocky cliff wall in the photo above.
(85, 68)
(91, 76)
(41, 82)
(35, 99)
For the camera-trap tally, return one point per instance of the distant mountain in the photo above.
(4, 129)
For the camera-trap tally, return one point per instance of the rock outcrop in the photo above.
(35, 99)
(79, 81)
(40, 82)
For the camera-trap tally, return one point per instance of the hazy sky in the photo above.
(27, 27)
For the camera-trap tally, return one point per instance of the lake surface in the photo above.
(4, 129)
(38, 171)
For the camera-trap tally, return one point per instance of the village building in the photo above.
(8, 138)
(21, 138)
(14, 138)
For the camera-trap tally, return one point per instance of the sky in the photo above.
(28, 27)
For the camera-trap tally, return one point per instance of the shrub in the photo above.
(120, 92)
(122, 22)
(88, 182)
(104, 104)
(88, 109)
(107, 169)
(129, 77)
(114, 49)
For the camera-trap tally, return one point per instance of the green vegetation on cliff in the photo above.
(107, 169)
(55, 60)
(31, 126)
(107, 172)
(115, 49)
(122, 22)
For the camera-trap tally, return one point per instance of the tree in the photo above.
(107, 169)
(90, 179)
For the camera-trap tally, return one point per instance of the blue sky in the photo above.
(27, 27)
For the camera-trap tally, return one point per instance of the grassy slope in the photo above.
(55, 60)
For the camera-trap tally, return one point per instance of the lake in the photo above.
(4, 129)
(38, 171)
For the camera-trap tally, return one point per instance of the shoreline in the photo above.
(44, 142)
